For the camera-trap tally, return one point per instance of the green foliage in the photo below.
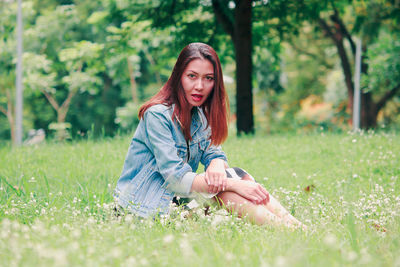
(384, 64)
(111, 52)
(38, 74)
(82, 63)
(127, 116)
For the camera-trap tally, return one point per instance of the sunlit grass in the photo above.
(56, 206)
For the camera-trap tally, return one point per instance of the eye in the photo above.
(191, 75)
(210, 78)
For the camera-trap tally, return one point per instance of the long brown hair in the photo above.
(216, 105)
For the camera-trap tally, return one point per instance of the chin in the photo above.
(196, 104)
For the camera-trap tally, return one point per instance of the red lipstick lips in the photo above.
(197, 97)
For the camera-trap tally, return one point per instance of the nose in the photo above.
(199, 84)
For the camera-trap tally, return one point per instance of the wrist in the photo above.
(231, 185)
(217, 161)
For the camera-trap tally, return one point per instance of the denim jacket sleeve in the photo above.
(178, 175)
(212, 152)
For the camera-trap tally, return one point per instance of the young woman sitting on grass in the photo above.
(182, 125)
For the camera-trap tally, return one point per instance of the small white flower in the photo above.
(168, 239)
(116, 252)
(229, 256)
(131, 261)
(351, 256)
(128, 218)
(330, 239)
(281, 261)
(144, 261)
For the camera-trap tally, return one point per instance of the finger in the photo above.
(213, 181)
(264, 194)
(267, 196)
(215, 189)
(220, 183)
(207, 178)
(263, 189)
(224, 183)
(212, 184)
(252, 197)
(210, 189)
(261, 196)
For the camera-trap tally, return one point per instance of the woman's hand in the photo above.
(215, 176)
(250, 190)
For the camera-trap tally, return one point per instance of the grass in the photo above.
(56, 207)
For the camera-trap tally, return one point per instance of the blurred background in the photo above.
(288, 65)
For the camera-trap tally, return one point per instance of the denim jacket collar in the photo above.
(196, 119)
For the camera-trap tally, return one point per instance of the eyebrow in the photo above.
(198, 73)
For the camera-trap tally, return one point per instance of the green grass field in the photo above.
(56, 202)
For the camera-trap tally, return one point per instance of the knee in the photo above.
(260, 215)
(225, 199)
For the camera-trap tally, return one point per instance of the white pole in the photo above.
(19, 86)
(357, 93)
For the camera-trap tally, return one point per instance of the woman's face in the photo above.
(198, 81)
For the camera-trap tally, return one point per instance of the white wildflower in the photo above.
(116, 252)
(186, 247)
(280, 261)
(330, 240)
(168, 239)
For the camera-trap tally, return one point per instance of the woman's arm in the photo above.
(215, 175)
(250, 190)
(178, 175)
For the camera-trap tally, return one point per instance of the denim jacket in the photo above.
(160, 163)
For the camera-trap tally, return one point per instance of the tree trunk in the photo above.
(10, 119)
(243, 50)
(63, 110)
(347, 73)
(9, 114)
(369, 113)
(132, 81)
(336, 34)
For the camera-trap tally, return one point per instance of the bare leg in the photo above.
(277, 209)
(258, 214)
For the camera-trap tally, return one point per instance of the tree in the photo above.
(75, 51)
(340, 21)
(383, 71)
(81, 62)
(238, 25)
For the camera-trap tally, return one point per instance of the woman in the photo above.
(182, 125)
